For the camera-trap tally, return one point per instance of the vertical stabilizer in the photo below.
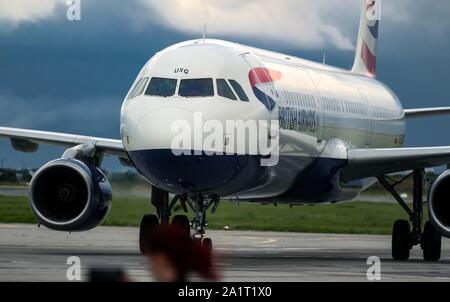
(366, 48)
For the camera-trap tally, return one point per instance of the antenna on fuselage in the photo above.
(204, 33)
(324, 59)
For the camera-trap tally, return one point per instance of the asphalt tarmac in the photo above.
(28, 253)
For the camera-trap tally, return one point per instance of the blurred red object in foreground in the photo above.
(174, 255)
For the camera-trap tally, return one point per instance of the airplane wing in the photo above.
(28, 141)
(427, 112)
(365, 163)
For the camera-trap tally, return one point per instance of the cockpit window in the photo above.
(224, 90)
(240, 92)
(131, 94)
(139, 88)
(161, 87)
(133, 90)
(196, 88)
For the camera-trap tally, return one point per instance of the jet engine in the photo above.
(439, 203)
(70, 195)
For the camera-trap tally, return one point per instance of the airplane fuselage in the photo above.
(321, 111)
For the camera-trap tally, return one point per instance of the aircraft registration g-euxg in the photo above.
(339, 132)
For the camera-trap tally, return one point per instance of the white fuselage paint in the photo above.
(322, 111)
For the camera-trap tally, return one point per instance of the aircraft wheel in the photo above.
(401, 240)
(149, 224)
(204, 242)
(182, 222)
(207, 243)
(431, 243)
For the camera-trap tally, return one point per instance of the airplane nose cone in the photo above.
(189, 172)
(158, 128)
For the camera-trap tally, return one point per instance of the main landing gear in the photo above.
(199, 205)
(407, 234)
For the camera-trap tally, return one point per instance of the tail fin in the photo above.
(366, 49)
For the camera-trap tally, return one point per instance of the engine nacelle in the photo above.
(69, 195)
(439, 203)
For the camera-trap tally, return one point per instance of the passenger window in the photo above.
(140, 88)
(240, 92)
(161, 87)
(196, 88)
(224, 90)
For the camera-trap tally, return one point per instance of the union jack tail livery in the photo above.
(366, 49)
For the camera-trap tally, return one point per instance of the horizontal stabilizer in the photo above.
(427, 112)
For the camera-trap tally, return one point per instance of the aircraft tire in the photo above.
(182, 221)
(401, 240)
(431, 243)
(149, 224)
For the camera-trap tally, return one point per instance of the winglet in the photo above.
(366, 48)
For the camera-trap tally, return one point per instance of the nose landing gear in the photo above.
(199, 204)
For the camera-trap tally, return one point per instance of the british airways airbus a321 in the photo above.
(339, 132)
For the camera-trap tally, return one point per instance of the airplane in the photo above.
(337, 132)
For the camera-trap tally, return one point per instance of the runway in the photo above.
(28, 253)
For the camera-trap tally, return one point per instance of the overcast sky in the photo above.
(67, 76)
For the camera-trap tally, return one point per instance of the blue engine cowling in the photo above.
(69, 195)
